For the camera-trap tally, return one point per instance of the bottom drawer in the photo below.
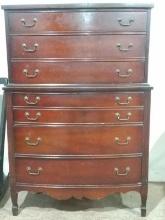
(76, 171)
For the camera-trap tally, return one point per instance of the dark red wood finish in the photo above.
(33, 72)
(68, 171)
(110, 47)
(65, 116)
(79, 140)
(80, 99)
(72, 21)
(75, 72)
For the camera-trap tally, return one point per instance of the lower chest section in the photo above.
(79, 138)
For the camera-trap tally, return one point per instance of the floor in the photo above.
(115, 207)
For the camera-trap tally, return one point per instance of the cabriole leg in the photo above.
(143, 202)
(14, 198)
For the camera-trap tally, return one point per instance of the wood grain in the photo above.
(79, 140)
(80, 99)
(80, 69)
(77, 72)
(68, 171)
(95, 46)
(77, 21)
(78, 116)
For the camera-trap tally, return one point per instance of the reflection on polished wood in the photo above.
(78, 101)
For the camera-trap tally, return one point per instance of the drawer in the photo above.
(80, 100)
(66, 116)
(78, 140)
(69, 21)
(76, 72)
(74, 171)
(111, 47)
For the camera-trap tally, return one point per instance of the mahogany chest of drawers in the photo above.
(78, 101)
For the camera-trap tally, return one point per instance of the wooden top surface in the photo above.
(78, 6)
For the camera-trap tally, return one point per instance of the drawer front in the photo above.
(77, 21)
(65, 116)
(78, 47)
(80, 100)
(78, 140)
(77, 72)
(86, 171)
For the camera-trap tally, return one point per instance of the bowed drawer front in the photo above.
(68, 171)
(78, 99)
(84, 140)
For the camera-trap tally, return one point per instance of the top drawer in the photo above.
(78, 21)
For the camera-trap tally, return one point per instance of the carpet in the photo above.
(35, 206)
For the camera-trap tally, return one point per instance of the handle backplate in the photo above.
(126, 22)
(117, 141)
(124, 75)
(36, 100)
(32, 49)
(123, 119)
(27, 115)
(34, 172)
(117, 99)
(30, 143)
(118, 173)
(30, 75)
(28, 25)
(121, 48)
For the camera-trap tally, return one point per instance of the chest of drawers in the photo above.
(78, 101)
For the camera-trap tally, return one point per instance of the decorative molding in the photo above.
(53, 186)
(77, 33)
(77, 157)
(74, 59)
(74, 125)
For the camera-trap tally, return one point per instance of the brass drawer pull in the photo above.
(128, 74)
(117, 141)
(30, 50)
(123, 119)
(25, 24)
(27, 114)
(26, 99)
(34, 172)
(27, 141)
(127, 170)
(124, 49)
(129, 98)
(124, 22)
(32, 75)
